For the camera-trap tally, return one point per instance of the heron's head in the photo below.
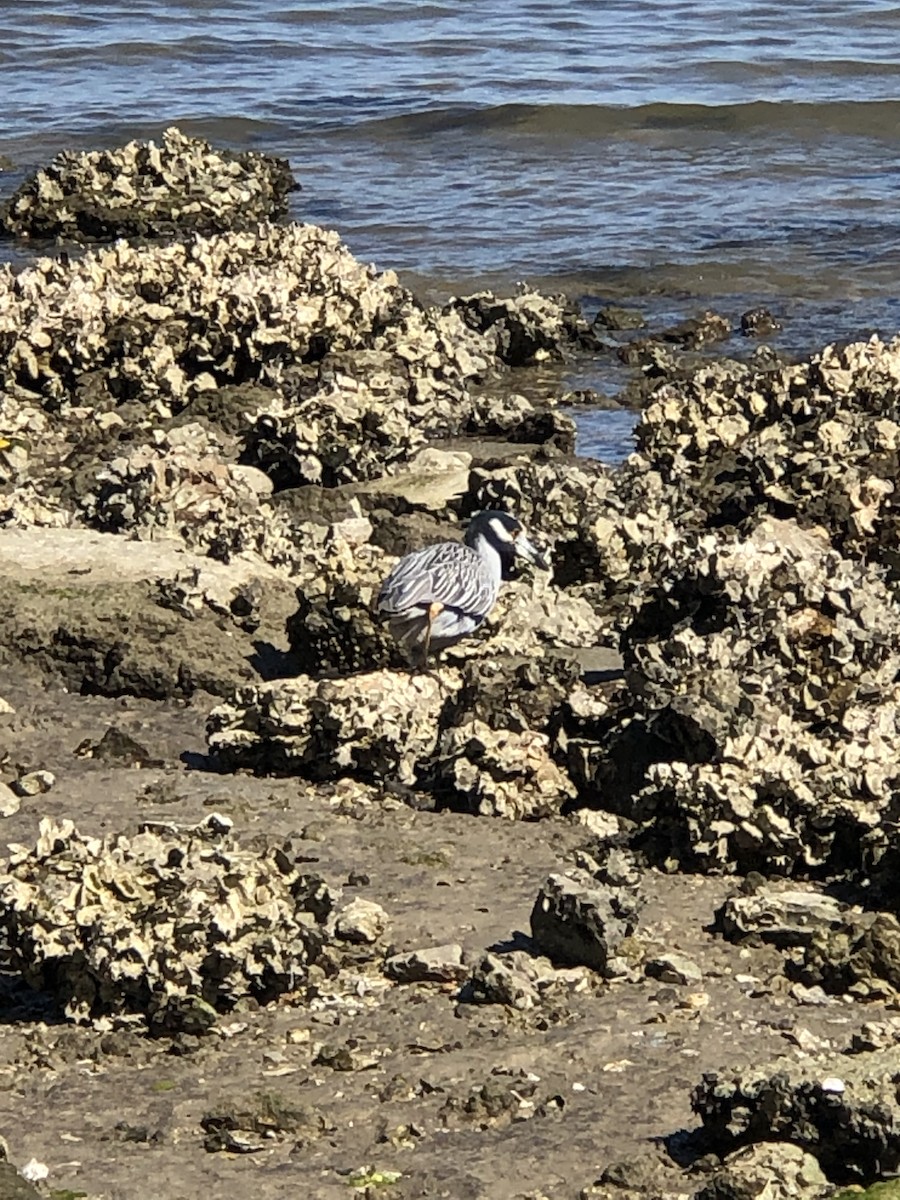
(506, 534)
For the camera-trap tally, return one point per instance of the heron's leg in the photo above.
(434, 609)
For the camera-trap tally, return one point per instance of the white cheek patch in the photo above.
(501, 533)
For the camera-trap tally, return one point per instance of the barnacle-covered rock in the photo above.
(162, 923)
(149, 190)
(24, 429)
(761, 672)
(509, 693)
(578, 920)
(817, 440)
(778, 605)
(784, 917)
(498, 773)
(28, 506)
(21, 425)
(556, 497)
(696, 331)
(181, 487)
(166, 322)
(178, 487)
(437, 352)
(293, 358)
(860, 955)
(844, 1111)
(375, 727)
(781, 801)
(13, 462)
(192, 591)
(580, 723)
(759, 322)
(509, 416)
(767, 1171)
(410, 380)
(354, 431)
(835, 946)
(335, 627)
(533, 618)
(390, 727)
(525, 328)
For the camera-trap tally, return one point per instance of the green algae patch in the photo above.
(887, 1189)
(370, 1177)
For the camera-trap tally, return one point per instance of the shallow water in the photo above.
(678, 155)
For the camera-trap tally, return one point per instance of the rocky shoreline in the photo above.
(228, 802)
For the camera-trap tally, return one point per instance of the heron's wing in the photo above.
(449, 573)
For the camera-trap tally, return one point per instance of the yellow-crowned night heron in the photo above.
(436, 596)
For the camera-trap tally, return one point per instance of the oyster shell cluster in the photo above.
(759, 728)
(174, 924)
(375, 726)
(848, 1121)
(149, 190)
(762, 670)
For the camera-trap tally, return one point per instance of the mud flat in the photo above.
(603, 905)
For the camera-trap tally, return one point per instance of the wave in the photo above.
(848, 118)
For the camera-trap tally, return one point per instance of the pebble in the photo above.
(10, 803)
(435, 964)
(674, 968)
(362, 921)
(833, 1084)
(34, 1171)
(34, 783)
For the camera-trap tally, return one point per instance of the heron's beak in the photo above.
(525, 548)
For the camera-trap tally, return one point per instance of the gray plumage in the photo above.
(436, 596)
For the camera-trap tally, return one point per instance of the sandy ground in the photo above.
(560, 1091)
